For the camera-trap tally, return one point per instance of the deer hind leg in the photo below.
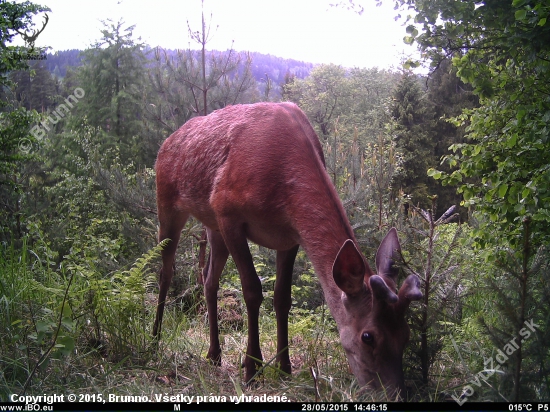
(282, 302)
(216, 262)
(171, 225)
(237, 244)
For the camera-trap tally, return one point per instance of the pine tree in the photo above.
(112, 77)
(447, 96)
(35, 89)
(412, 113)
(43, 88)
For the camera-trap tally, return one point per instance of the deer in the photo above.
(257, 173)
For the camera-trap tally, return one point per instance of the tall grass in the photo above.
(28, 298)
(73, 328)
(76, 328)
(54, 324)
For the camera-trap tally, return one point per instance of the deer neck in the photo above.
(323, 230)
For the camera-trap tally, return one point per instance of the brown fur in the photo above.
(256, 172)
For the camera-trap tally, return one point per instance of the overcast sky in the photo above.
(306, 30)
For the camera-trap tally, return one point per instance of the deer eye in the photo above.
(367, 338)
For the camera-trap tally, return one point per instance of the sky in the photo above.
(307, 30)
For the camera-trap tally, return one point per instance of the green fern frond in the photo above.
(139, 266)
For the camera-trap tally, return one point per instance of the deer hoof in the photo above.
(215, 358)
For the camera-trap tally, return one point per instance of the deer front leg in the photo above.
(282, 303)
(216, 262)
(237, 244)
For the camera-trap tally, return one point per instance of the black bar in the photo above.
(282, 406)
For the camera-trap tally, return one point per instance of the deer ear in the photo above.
(349, 268)
(381, 291)
(410, 290)
(387, 255)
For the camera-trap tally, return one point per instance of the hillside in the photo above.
(275, 67)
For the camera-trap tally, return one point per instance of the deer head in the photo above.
(375, 332)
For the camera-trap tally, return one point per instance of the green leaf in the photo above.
(542, 21)
(412, 30)
(521, 114)
(42, 326)
(521, 14)
(542, 215)
(502, 190)
(68, 323)
(436, 174)
(65, 344)
(411, 64)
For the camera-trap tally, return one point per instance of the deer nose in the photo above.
(392, 382)
(396, 388)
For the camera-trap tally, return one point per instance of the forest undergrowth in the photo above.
(75, 330)
(70, 333)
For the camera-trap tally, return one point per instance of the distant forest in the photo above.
(276, 68)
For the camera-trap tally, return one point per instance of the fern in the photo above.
(138, 268)
(119, 306)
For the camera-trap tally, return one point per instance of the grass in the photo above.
(99, 341)
(88, 360)
(181, 361)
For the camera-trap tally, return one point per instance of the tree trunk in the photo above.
(523, 297)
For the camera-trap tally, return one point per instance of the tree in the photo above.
(412, 113)
(16, 19)
(435, 259)
(322, 95)
(199, 81)
(286, 86)
(502, 49)
(35, 88)
(421, 108)
(15, 121)
(112, 76)
(188, 83)
(345, 105)
(448, 96)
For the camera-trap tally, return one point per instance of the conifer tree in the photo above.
(412, 114)
(15, 120)
(447, 96)
(112, 76)
(35, 89)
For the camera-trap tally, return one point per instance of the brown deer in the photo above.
(257, 172)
